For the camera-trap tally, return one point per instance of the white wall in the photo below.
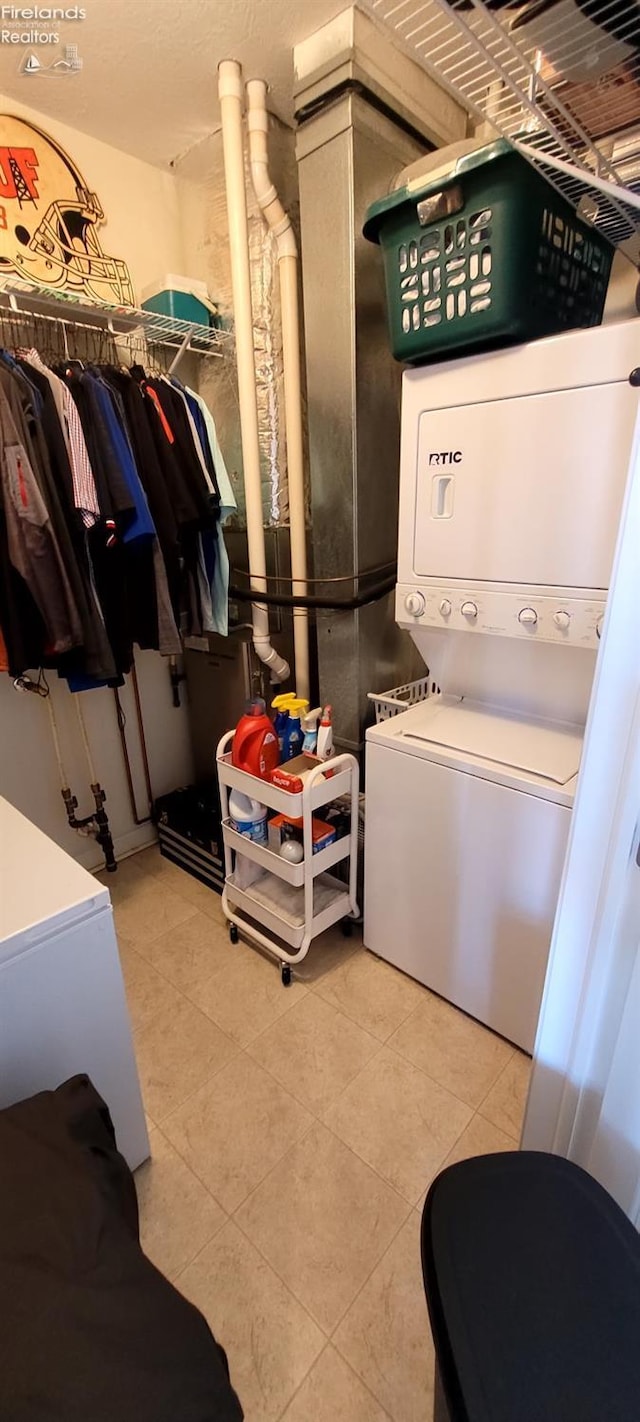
(28, 769)
(141, 205)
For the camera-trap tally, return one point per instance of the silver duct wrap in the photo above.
(267, 354)
(206, 249)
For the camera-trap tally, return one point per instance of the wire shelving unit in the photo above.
(564, 89)
(145, 328)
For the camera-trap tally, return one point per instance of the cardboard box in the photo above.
(292, 774)
(282, 827)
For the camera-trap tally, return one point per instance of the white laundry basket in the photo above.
(400, 698)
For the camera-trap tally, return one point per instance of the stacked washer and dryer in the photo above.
(512, 473)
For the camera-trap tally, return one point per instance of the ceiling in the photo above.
(148, 79)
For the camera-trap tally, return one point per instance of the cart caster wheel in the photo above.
(347, 927)
(286, 974)
(233, 932)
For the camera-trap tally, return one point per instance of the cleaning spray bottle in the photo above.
(310, 728)
(280, 705)
(292, 738)
(325, 735)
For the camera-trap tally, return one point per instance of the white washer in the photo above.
(468, 810)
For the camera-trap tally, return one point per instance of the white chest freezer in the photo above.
(468, 814)
(62, 1001)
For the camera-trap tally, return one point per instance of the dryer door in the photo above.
(524, 490)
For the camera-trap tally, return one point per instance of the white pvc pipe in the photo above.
(280, 224)
(231, 95)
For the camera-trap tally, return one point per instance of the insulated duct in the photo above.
(364, 112)
(348, 153)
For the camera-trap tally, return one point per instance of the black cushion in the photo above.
(532, 1277)
(90, 1331)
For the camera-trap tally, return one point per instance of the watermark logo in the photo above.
(32, 28)
(70, 63)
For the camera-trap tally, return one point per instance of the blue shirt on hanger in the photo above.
(141, 524)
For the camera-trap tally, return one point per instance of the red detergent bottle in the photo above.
(255, 744)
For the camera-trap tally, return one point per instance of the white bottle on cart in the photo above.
(248, 816)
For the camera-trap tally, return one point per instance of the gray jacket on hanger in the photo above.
(33, 546)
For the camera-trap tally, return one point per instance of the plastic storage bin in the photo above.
(181, 299)
(400, 698)
(480, 250)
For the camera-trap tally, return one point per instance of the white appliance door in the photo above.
(461, 881)
(63, 1011)
(535, 494)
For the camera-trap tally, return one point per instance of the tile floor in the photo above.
(294, 1134)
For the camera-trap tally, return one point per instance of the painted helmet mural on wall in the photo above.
(49, 219)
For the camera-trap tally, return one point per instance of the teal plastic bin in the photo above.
(480, 251)
(181, 306)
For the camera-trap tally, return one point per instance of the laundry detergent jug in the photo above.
(255, 744)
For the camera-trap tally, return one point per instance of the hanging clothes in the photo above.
(150, 472)
(35, 416)
(228, 506)
(110, 511)
(31, 541)
(84, 484)
(194, 495)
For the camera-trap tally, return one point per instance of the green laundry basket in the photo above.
(479, 250)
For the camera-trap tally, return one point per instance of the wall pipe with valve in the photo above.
(231, 95)
(279, 223)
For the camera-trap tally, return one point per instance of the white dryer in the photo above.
(512, 473)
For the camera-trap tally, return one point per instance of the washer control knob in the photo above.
(562, 620)
(445, 607)
(528, 616)
(599, 626)
(415, 604)
(469, 610)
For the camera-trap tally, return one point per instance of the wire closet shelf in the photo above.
(561, 82)
(140, 330)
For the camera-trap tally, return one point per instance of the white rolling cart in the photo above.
(295, 902)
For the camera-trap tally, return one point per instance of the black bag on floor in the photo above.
(90, 1331)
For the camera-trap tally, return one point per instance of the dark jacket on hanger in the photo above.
(31, 542)
(31, 401)
(23, 629)
(124, 575)
(186, 487)
(174, 408)
(151, 474)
